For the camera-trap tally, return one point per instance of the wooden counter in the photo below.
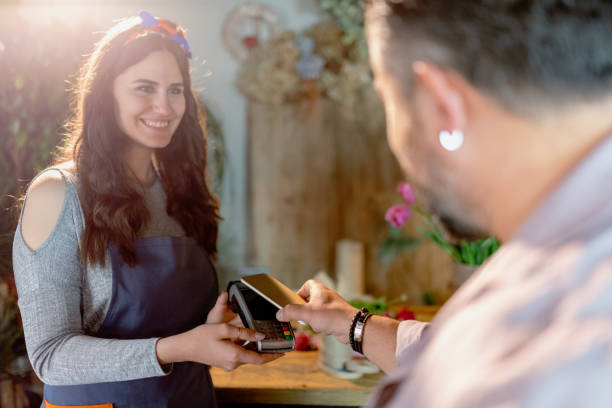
(291, 380)
(295, 379)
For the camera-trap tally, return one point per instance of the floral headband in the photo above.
(166, 28)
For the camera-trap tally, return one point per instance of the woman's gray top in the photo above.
(64, 302)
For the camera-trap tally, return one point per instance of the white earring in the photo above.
(451, 141)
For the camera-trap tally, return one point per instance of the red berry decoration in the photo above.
(405, 314)
(302, 341)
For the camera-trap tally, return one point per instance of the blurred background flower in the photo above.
(473, 252)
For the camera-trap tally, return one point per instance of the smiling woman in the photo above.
(149, 101)
(112, 254)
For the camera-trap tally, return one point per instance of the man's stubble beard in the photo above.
(455, 212)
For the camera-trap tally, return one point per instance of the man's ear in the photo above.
(444, 92)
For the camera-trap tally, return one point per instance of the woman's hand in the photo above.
(214, 343)
(326, 312)
(221, 312)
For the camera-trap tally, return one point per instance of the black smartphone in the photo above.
(259, 314)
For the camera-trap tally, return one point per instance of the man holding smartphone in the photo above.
(500, 113)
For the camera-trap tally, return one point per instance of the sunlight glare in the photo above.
(69, 12)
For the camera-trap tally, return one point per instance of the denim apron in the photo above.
(170, 290)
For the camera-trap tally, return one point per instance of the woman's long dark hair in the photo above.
(113, 205)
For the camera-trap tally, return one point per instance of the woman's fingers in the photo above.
(221, 351)
(222, 299)
(236, 321)
(236, 333)
(240, 355)
(217, 311)
(253, 357)
(220, 313)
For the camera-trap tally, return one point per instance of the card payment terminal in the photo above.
(259, 314)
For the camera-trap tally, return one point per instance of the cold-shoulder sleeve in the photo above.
(49, 282)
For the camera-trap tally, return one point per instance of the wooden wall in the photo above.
(317, 175)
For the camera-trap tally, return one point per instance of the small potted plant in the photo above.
(467, 255)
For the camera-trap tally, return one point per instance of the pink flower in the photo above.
(398, 215)
(407, 193)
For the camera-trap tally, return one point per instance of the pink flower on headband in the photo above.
(407, 192)
(398, 215)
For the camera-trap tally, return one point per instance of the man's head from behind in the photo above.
(493, 69)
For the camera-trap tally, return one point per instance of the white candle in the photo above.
(350, 271)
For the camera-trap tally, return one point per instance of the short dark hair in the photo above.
(514, 50)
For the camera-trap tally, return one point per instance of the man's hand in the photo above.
(326, 312)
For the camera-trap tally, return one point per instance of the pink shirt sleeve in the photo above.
(409, 334)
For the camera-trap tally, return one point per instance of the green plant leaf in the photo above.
(379, 306)
(439, 241)
(484, 250)
(429, 298)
